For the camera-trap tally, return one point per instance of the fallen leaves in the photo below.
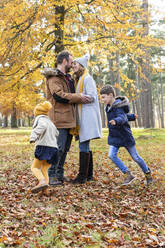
(97, 214)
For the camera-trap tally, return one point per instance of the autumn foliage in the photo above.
(32, 32)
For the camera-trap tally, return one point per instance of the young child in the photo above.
(44, 134)
(120, 134)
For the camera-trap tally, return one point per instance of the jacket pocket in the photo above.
(64, 116)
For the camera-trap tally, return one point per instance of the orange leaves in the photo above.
(97, 214)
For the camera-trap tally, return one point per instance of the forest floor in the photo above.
(97, 214)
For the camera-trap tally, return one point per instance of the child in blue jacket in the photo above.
(120, 134)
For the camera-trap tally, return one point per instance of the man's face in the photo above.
(107, 99)
(68, 64)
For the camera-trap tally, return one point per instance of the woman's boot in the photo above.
(90, 170)
(83, 168)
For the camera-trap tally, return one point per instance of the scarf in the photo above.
(79, 89)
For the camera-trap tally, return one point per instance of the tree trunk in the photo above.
(111, 72)
(134, 111)
(59, 27)
(14, 117)
(162, 102)
(23, 122)
(5, 121)
(146, 82)
(158, 116)
(118, 74)
(29, 121)
(137, 101)
(158, 102)
(19, 122)
(102, 112)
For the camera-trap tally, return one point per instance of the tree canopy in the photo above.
(33, 32)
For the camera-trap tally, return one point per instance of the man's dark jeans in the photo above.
(64, 143)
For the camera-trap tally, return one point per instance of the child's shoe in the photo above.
(46, 192)
(41, 186)
(149, 178)
(129, 178)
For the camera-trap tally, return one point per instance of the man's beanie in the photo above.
(83, 60)
(42, 108)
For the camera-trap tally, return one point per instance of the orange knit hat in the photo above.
(42, 108)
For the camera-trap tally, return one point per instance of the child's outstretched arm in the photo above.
(120, 119)
(112, 122)
(132, 117)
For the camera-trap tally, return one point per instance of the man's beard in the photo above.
(67, 69)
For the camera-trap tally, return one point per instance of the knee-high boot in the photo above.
(90, 170)
(83, 168)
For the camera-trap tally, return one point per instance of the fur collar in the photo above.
(50, 72)
(120, 101)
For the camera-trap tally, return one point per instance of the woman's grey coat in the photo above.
(90, 118)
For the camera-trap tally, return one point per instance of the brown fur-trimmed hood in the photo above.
(120, 102)
(50, 72)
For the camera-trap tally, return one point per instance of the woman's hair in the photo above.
(107, 89)
(79, 73)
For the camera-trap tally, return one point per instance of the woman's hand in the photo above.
(85, 99)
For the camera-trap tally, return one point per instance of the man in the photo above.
(61, 94)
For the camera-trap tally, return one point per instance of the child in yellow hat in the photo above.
(44, 134)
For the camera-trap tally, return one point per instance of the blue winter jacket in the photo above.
(120, 134)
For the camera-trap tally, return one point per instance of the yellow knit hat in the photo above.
(42, 108)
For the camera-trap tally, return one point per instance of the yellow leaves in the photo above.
(152, 230)
(117, 86)
(28, 38)
(126, 80)
(125, 85)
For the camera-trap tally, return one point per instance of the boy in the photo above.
(120, 133)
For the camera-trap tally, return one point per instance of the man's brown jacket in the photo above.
(63, 112)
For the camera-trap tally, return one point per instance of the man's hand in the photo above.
(112, 122)
(85, 99)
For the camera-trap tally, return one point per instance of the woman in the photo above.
(89, 119)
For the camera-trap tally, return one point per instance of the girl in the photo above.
(44, 134)
(89, 119)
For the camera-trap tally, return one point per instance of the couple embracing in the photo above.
(75, 111)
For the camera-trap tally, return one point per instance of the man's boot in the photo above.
(52, 181)
(58, 170)
(90, 170)
(83, 168)
(52, 174)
